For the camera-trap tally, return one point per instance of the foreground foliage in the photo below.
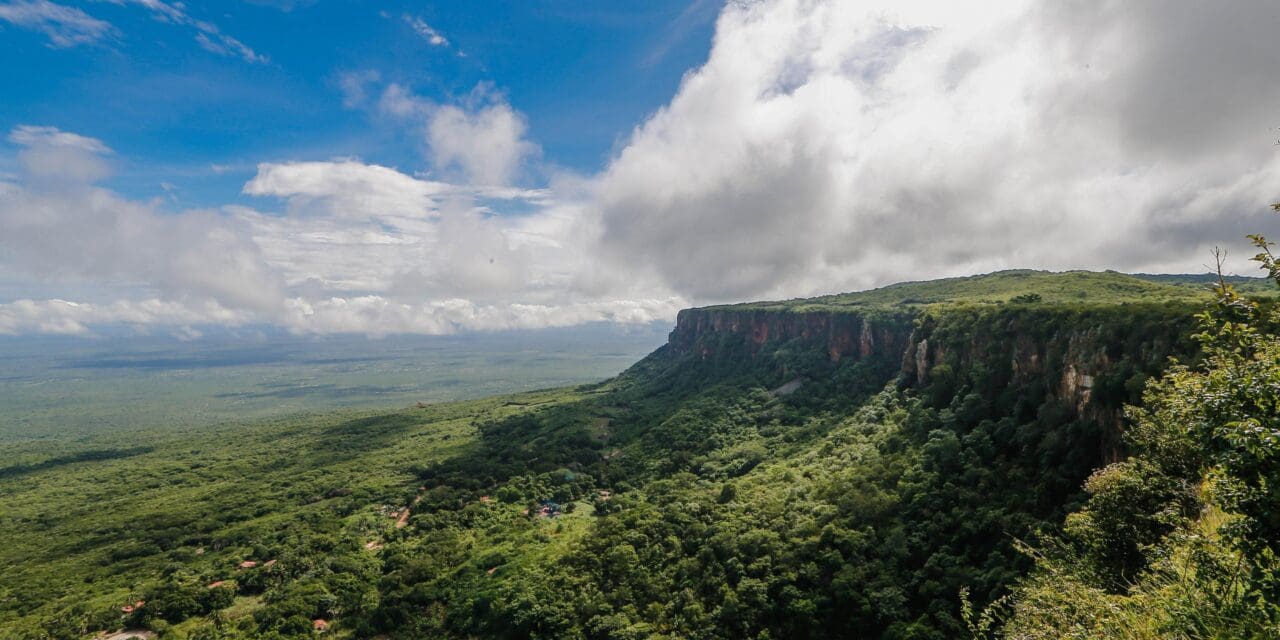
(1181, 540)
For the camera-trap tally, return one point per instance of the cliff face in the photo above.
(840, 335)
(1089, 362)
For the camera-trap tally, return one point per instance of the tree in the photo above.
(1183, 539)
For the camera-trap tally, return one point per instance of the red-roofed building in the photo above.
(320, 624)
(248, 564)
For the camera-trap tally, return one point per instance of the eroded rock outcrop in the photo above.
(1059, 353)
(840, 334)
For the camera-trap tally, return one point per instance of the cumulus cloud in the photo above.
(34, 136)
(346, 188)
(64, 26)
(827, 146)
(468, 255)
(51, 153)
(357, 248)
(479, 139)
(352, 188)
(351, 226)
(486, 142)
(60, 226)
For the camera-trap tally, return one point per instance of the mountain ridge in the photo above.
(999, 287)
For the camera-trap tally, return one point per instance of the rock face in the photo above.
(841, 335)
(1056, 353)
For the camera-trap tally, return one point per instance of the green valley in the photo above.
(873, 465)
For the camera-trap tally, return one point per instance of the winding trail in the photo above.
(403, 520)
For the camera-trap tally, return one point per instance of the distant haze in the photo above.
(52, 386)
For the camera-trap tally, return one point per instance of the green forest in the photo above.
(1022, 454)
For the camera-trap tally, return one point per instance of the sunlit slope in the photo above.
(1069, 287)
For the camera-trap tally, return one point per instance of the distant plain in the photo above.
(74, 388)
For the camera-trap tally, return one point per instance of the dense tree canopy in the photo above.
(1181, 540)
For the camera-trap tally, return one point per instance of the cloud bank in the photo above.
(59, 226)
(352, 247)
(824, 146)
(834, 145)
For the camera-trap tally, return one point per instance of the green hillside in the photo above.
(771, 481)
(1077, 287)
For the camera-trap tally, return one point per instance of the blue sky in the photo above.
(332, 167)
(582, 74)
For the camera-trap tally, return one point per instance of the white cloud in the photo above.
(828, 146)
(359, 247)
(72, 318)
(399, 101)
(64, 26)
(351, 188)
(354, 86)
(347, 188)
(425, 30)
(357, 227)
(52, 153)
(60, 226)
(486, 141)
(225, 45)
(373, 315)
(480, 139)
(69, 26)
(379, 316)
(29, 136)
(208, 35)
